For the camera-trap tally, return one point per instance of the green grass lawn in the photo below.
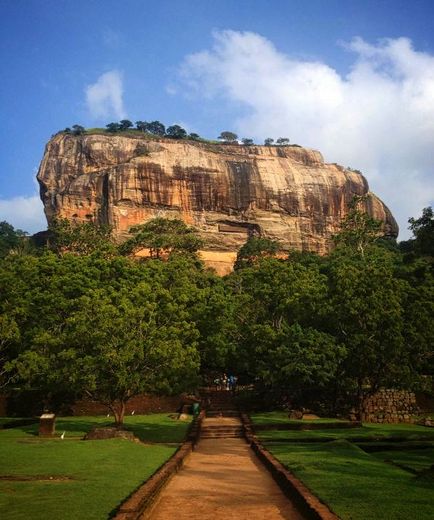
(357, 485)
(417, 460)
(367, 432)
(280, 417)
(89, 479)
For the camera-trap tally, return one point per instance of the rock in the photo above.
(295, 414)
(109, 432)
(227, 192)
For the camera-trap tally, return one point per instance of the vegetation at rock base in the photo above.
(82, 316)
(162, 237)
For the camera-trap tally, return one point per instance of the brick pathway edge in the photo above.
(307, 503)
(142, 500)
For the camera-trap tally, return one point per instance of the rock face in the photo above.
(227, 192)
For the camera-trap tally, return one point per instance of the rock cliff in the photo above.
(226, 191)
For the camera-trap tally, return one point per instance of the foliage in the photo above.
(280, 309)
(228, 137)
(358, 229)
(113, 127)
(141, 125)
(81, 238)
(176, 132)
(124, 124)
(282, 141)
(268, 141)
(78, 129)
(194, 136)
(11, 239)
(135, 341)
(162, 236)
(107, 326)
(253, 250)
(156, 128)
(367, 318)
(246, 141)
(423, 232)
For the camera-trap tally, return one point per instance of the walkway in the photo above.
(223, 480)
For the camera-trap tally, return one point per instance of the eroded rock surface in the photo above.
(226, 191)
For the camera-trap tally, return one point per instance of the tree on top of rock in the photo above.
(228, 137)
(176, 132)
(156, 128)
(125, 124)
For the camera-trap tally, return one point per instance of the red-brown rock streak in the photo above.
(227, 192)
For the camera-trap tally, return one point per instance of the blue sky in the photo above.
(354, 79)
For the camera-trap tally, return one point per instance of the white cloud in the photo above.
(378, 118)
(104, 97)
(26, 213)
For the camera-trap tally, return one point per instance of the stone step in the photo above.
(223, 429)
(222, 413)
(221, 434)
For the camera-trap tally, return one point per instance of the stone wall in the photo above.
(390, 406)
(141, 404)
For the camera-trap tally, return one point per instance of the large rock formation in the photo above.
(226, 191)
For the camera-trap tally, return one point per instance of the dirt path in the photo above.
(223, 480)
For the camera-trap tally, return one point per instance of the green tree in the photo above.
(358, 229)
(113, 127)
(81, 238)
(142, 126)
(282, 311)
(125, 124)
(11, 239)
(367, 319)
(78, 129)
(139, 340)
(268, 141)
(156, 128)
(194, 136)
(423, 232)
(246, 141)
(162, 237)
(109, 327)
(176, 132)
(9, 340)
(282, 141)
(228, 137)
(255, 249)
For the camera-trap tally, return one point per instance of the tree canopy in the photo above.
(162, 236)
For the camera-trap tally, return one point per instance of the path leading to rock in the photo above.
(223, 480)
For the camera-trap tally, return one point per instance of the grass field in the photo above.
(355, 484)
(70, 478)
(279, 417)
(366, 433)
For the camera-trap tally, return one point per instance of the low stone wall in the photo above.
(141, 404)
(141, 502)
(390, 406)
(306, 502)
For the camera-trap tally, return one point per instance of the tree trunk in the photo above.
(119, 413)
